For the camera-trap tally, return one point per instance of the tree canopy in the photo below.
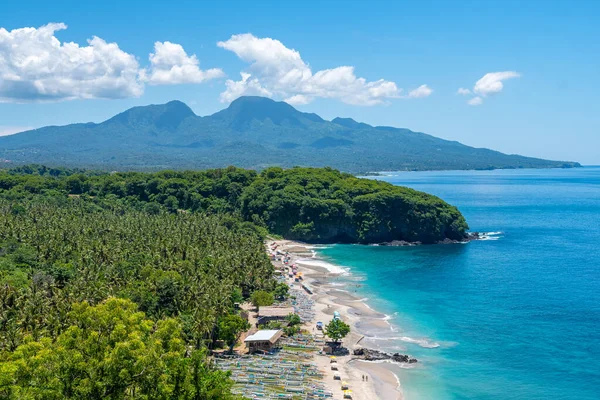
(262, 298)
(309, 204)
(337, 329)
(111, 351)
(79, 272)
(230, 329)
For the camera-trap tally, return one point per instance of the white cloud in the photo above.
(489, 84)
(420, 92)
(35, 65)
(277, 71)
(245, 86)
(475, 101)
(298, 99)
(11, 130)
(171, 65)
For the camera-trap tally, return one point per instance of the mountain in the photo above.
(253, 132)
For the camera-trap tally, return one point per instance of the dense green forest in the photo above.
(114, 285)
(310, 204)
(65, 262)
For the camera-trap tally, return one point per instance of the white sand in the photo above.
(382, 382)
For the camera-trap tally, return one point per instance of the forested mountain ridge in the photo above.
(309, 204)
(253, 132)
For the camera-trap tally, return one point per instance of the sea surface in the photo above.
(516, 316)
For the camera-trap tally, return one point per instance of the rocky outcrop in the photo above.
(470, 236)
(376, 355)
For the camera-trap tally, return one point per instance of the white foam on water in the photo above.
(490, 235)
(385, 339)
(493, 233)
(399, 365)
(421, 342)
(332, 268)
(363, 299)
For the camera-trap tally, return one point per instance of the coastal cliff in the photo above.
(327, 206)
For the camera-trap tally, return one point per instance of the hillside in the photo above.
(253, 132)
(309, 204)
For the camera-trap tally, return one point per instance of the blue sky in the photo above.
(413, 56)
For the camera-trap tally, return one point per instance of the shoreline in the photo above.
(329, 296)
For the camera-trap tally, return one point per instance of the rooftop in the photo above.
(275, 311)
(265, 336)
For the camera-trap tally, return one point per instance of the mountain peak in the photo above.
(350, 123)
(243, 110)
(261, 105)
(164, 116)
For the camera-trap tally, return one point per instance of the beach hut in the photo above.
(267, 314)
(263, 340)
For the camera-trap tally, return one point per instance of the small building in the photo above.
(263, 340)
(267, 314)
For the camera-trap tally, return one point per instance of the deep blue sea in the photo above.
(513, 317)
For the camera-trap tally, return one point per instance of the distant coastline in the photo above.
(567, 165)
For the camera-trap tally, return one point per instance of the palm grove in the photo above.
(117, 285)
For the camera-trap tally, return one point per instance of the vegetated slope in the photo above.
(253, 132)
(323, 205)
(99, 299)
(311, 204)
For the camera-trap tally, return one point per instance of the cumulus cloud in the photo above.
(171, 65)
(420, 92)
(298, 99)
(278, 71)
(475, 101)
(246, 86)
(35, 65)
(489, 84)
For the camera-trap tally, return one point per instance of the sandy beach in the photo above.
(379, 381)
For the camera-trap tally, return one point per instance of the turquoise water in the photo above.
(517, 317)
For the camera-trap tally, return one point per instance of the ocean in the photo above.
(516, 316)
